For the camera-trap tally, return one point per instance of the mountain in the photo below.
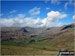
(24, 40)
(19, 33)
(54, 31)
(64, 38)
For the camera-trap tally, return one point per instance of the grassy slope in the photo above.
(25, 50)
(64, 41)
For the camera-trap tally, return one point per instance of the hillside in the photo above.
(43, 40)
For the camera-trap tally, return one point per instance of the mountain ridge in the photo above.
(27, 32)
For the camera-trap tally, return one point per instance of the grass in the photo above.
(11, 43)
(40, 37)
(9, 47)
(43, 44)
(9, 50)
(64, 41)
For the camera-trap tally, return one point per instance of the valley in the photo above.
(36, 41)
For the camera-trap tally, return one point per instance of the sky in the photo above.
(36, 13)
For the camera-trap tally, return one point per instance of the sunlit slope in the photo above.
(64, 40)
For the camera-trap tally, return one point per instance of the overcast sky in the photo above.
(36, 13)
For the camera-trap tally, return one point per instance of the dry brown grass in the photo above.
(15, 50)
(64, 41)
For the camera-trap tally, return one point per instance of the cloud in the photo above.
(47, 8)
(74, 17)
(51, 20)
(1, 14)
(55, 2)
(34, 11)
(21, 15)
(59, 24)
(70, 2)
(56, 14)
(13, 11)
(66, 5)
(6, 22)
